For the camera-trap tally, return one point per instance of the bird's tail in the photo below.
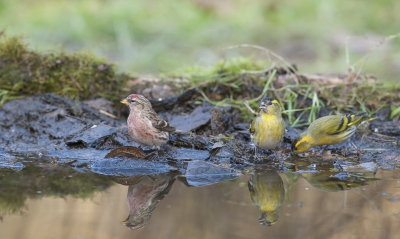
(356, 119)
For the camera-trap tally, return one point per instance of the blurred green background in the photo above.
(147, 36)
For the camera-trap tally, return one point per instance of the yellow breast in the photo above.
(268, 130)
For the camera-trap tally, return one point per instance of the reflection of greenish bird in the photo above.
(325, 182)
(322, 178)
(267, 192)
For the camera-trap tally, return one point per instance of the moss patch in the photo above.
(78, 75)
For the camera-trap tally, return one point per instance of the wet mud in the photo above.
(212, 143)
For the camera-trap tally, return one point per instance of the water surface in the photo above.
(58, 202)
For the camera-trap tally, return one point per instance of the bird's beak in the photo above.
(262, 106)
(125, 102)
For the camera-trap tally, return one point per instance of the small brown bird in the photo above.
(145, 126)
(329, 130)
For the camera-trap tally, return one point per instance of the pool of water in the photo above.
(58, 202)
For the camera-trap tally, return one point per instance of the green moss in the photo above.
(78, 75)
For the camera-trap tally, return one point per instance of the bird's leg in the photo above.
(276, 155)
(345, 151)
(281, 160)
(156, 156)
(323, 149)
(357, 149)
(154, 153)
(255, 152)
(156, 149)
(258, 153)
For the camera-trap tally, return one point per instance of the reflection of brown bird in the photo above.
(143, 196)
(267, 192)
(329, 130)
(144, 124)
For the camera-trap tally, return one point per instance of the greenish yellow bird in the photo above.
(267, 192)
(329, 130)
(268, 128)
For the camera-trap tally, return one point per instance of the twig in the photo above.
(205, 96)
(221, 103)
(108, 114)
(366, 56)
(384, 135)
(246, 103)
(76, 83)
(382, 140)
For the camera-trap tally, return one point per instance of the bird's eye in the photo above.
(269, 103)
(130, 100)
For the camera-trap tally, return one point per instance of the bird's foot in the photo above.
(358, 151)
(152, 155)
(277, 156)
(256, 155)
(324, 150)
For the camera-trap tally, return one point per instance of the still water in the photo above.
(58, 202)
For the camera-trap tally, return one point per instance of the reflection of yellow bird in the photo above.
(325, 182)
(267, 192)
(328, 130)
(268, 128)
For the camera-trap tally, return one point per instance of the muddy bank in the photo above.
(56, 130)
(57, 127)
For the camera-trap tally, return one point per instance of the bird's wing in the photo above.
(344, 122)
(252, 129)
(337, 124)
(343, 135)
(159, 123)
(357, 119)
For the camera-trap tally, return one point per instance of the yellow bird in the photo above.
(329, 130)
(267, 192)
(268, 128)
